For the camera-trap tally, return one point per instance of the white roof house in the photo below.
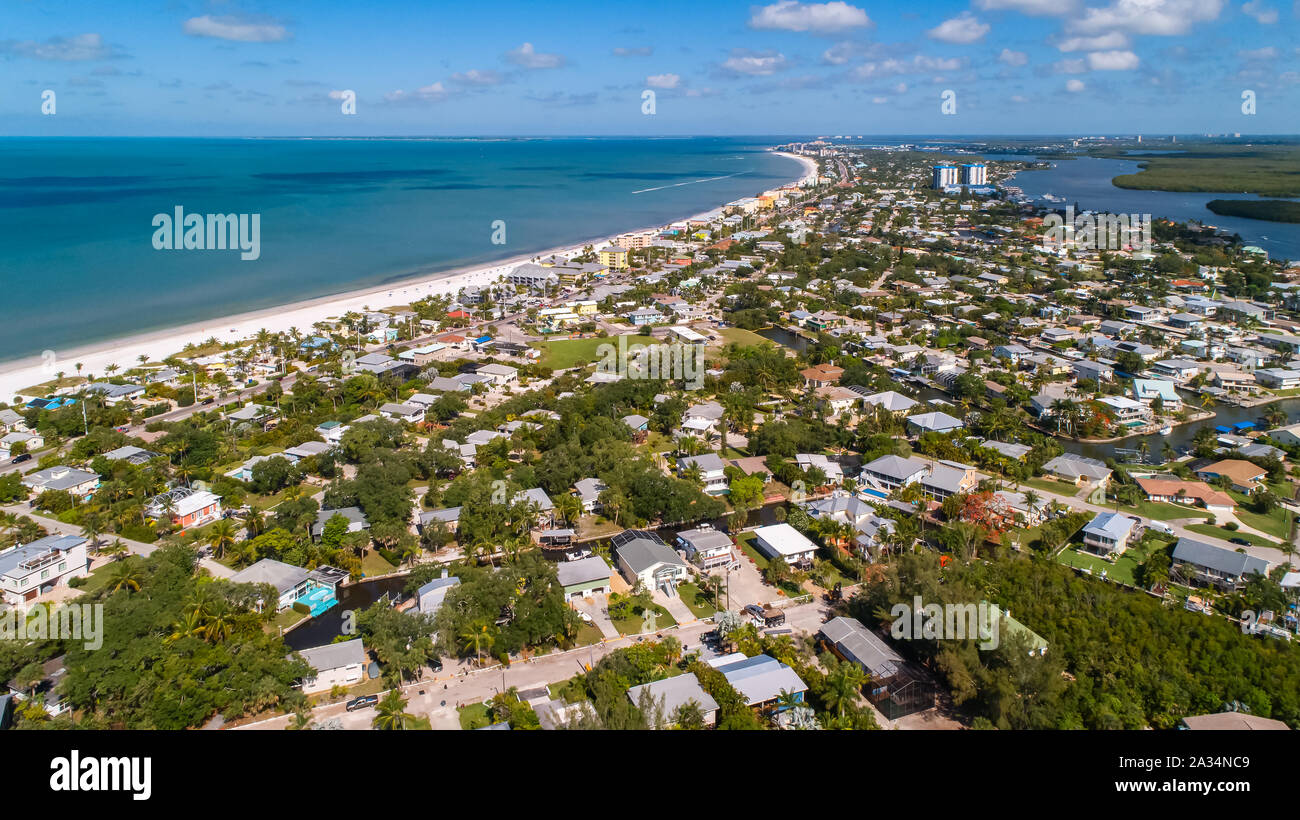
(784, 541)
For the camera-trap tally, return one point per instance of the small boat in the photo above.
(1166, 430)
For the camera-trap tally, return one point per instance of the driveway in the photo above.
(597, 606)
(675, 606)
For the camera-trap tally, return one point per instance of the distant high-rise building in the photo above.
(975, 173)
(944, 175)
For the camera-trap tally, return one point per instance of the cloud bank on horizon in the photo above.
(783, 67)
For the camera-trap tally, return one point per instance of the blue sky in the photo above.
(534, 68)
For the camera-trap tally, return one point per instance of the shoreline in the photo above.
(18, 374)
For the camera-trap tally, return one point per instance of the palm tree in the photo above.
(391, 714)
(92, 526)
(843, 684)
(126, 576)
(220, 536)
(477, 635)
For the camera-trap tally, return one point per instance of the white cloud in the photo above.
(818, 18)
(429, 93)
(963, 28)
(235, 28)
(1112, 61)
(1075, 86)
(918, 65)
(528, 57)
(78, 48)
(880, 100)
(1102, 42)
(1070, 67)
(476, 77)
(1013, 57)
(1263, 14)
(663, 80)
(840, 53)
(1162, 18)
(1257, 54)
(753, 63)
(1034, 8)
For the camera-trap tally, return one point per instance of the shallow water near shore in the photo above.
(337, 215)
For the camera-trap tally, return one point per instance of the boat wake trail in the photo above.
(692, 182)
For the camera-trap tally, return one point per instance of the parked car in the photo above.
(755, 611)
(1160, 526)
(208, 400)
(585, 617)
(20, 458)
(362, 702)
(1241, 542)
(436, 664)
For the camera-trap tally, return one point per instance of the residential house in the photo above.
(1109, 533)
(706, 547)
(673, 693)
(584, 577)
(1192, 493)
(762, 680)
(1078, 469)
(185, 507)
(935, 422)
(335, 664)
(891, 472)
(1246, 476)
(77, 483)
(643, 558)
(785, 542)
(1217, 566)
(712, 472)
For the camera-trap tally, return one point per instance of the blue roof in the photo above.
(1223, 428)
(1244, 425)
(482, 339)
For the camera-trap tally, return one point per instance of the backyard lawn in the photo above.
(746, 541)
(1124, 570)
(589, 634)
(1276, 522)
(373, 564)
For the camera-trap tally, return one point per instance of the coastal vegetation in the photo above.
(1272, 210)
(1267, 170)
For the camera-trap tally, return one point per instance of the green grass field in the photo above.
(690, 595)
(559, 354)
(475, 716)
(1160, 511)
(742, 337)
(634, 625)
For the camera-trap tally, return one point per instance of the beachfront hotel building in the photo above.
(615, 257)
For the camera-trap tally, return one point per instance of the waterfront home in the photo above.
(114, 393)
(1246, 476)
(429, 597)
(1148, 391)
(334, 664)
(936, 422)
(643, 558)
(1127, 412)
(1212, 565)
(28, 570)
(1108, 533)
(705, 547)
(1179, 370)
(785, 542)
(838, 399)
(10, 421)
(1192, 493)
(712, 472)
(896, 403)
(314, 589)
(448, 517)
(1078, 469)
(1278, 378)
(501, 374)
(584, 577)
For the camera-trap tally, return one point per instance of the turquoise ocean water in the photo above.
(76, 217)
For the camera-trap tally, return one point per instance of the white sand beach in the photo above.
(125, 352)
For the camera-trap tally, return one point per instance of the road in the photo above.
(467, 686)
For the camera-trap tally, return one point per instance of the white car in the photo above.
(585, 617)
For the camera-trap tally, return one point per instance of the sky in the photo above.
(940, 67)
